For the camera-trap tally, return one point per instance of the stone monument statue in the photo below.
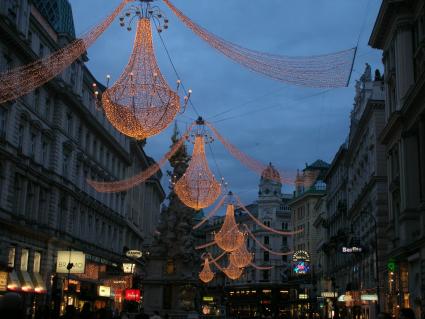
(173, 264)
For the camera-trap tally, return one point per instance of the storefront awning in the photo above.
(13, 282)
(39, 284)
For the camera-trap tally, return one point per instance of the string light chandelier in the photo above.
(324, 71)
(206, 274)
(241, 257)
(229, 237)
(24, 79)
(140, 103)
(198, 188)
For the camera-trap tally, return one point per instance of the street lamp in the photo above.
(375, 227)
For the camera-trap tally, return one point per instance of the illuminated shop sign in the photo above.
(302, 296)
(128, 268)
(301, 255)
(68, 258)
(207, 298)
(3, 280)
(301, 267)
(134, 253)
(329, 294)
(132, 295)
(369, 297)
(104, 291)
(354, 249)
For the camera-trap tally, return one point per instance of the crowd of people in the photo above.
(12, 307)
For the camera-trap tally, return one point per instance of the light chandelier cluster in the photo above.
(198, 188)
(140, 103)
(24, 79)
(241, 257)
(206, 274)
(324, 71)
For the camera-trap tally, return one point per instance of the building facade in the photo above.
(399, 32)
(258, 292)
(51, 141)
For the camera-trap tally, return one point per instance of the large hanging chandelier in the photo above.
(198, 188)
(140, 103)
(206, 274)
(229, 237)
(241, 257)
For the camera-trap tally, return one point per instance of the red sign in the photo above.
(132, 294)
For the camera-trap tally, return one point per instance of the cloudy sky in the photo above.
(269, 120)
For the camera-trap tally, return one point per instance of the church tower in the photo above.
(270, 193)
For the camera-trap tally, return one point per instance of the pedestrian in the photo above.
(86, 312)
(70, 313)
(11, 306)
(406, 313)
(384, 315)
(156, 315)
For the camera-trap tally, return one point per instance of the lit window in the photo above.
(37, 261)
(11, 257)
(24, 259)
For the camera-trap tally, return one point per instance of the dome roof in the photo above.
(270, 173)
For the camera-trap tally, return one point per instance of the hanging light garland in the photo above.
(198, 188)
(229, 237)
(324, 71)
(24, 79)
(212, 213)
(256, 166)
(206, 274)
(232, 271)
(140, 103)
(123, 185)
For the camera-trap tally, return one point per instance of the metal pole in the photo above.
(378, 307)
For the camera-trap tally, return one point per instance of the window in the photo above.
(29, 38)
(284, 241)
(70, 123)
(266, 256)
(48, 107)
(21, 133)
(41, 50)
(265, 275)
(45, 152)
(37, 100)
(11, 257)
(24, 259)
(65, 163)
(6, 63)
(284, 226)
(267, 223)
(3, 121)
(37, 262)
(266, 240)
(33, 144)
(284, 258)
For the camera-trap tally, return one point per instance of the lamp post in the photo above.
(375, 224)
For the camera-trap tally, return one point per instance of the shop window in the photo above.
(37, 262)
(24, 259)
(11, 257)
(266, 256)
(266, 240)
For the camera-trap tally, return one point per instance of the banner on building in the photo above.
(71, 261)
(3, 280)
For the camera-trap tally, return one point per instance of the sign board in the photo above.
(329, 294)
(302, 296)
(301, 255)
(3, 280)
(369, 297)
(76, 258)
(132, 295)
(354, 249)
(391, 265)
(128, 268)
(134, 253)
(207, 298)
(104, 291)
(301, 267)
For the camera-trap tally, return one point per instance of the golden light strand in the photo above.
(250, 163)
(123, 185)
(24, 79)
(329, 70)
(140, 104)
(211, 213)
(276, 253)
(259, 223)
(229, 237)
(198, 188)
(233, 271)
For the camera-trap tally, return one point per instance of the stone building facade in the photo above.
(51, 141)
(399, 32)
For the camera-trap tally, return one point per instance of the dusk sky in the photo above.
(269, 120)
